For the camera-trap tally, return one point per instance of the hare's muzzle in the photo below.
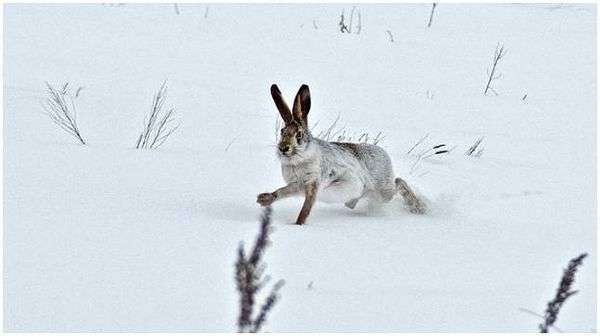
(284, 149)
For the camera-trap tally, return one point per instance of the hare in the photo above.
(335, 171)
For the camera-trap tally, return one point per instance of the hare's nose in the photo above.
(284, 148)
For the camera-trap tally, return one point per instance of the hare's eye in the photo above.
(282, 131)
(299, 136)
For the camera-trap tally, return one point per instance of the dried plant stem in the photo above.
(60, 107)
(472, 151)
(333, 133)
(342, 24)
(498, 55)
(249, 280)
(418, 143)
(351, 18)
(156, 125)
(389, 32)
(431, 15)
(347, 28)
(562, 293)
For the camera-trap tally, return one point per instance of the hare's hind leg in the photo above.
(351, 204)
(387, 193)
(414, 204)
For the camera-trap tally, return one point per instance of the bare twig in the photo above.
(431, 15)
(472, 150)
(156, 124)
(206, 12)
(427, 152)
(498, 55)
(176, 6)
(562, 293)
(351, 18)
(249, 279)
(60, 107)
(333, 133)
(267, 306)
(326, 135)
(418, 143)
(378, 138)
(435, 150)
(347, 28)
(231, 142)
(429, 94)
(531, 312)
(341, 24)
(390, 35)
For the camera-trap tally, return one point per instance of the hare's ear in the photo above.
(283, 108)
(302, 105)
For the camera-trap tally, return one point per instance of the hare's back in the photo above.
(374, 158)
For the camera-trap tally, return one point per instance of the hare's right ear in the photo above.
(283, 108)
(302, 105)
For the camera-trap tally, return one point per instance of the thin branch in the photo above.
(341, 24)
(351, 18)
(267, 306)
(474, 147)
(431, 15)
(78, 91)
(418, 143)
(162, 139)
(333, 133)
(155, 129)
(498, 55)
(378, 138)
(562, 293)
(231, 142)
(390, 35)
(249, 279)
(531, 312)
(60, 107)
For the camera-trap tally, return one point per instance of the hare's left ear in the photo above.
(282, 107)
(302, 105)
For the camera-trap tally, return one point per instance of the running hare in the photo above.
(336, 171)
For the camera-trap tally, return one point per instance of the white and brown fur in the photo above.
(335, 171)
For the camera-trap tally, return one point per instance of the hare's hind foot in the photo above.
(351, 204)
(411, 201)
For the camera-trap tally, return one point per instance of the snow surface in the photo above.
(108, 238)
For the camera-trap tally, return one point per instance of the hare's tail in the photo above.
(411, 200)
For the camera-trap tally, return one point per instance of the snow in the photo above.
(109, 238)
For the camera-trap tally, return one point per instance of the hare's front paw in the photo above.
(265, 199)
